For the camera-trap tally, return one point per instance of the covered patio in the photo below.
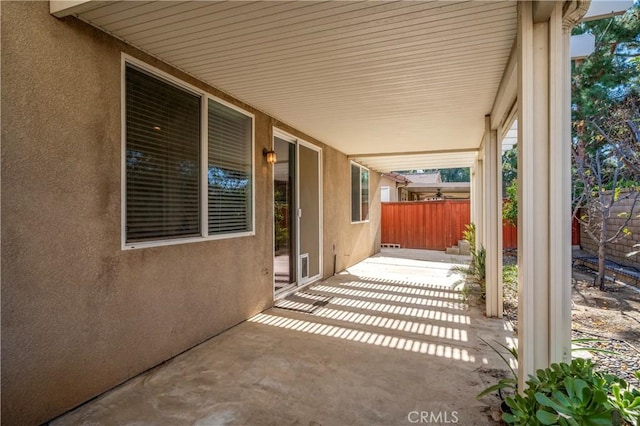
(393, 341)
(355, 90)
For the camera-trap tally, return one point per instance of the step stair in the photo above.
(462, 248)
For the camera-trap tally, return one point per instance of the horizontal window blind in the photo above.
(355, 193)
(229, 170)
(162, 159)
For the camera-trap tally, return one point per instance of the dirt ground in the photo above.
(614, 313)
(612, 317)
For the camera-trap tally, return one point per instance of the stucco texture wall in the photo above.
(617, 252)
(80, 315)
(350, 242)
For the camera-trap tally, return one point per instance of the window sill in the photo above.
(189, 240)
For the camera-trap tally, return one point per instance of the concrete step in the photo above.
(453, 250)
(464, 247)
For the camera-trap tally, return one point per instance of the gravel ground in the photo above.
(623, 363)
(613, 317)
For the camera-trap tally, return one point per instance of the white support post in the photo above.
(544, 310)
(498, 230)
(472, 193)
(492, 222)
(560, 188)
(480, 201)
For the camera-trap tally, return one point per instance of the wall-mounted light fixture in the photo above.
(270, 156)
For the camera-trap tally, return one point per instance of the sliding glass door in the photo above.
(297, 213)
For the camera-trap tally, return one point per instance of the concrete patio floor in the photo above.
(393, 344)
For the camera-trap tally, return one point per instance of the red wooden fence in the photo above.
(433, 225)
(436, 225)
(510, 235)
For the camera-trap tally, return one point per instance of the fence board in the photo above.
(436, 225)
(509, 235)
(432, 225)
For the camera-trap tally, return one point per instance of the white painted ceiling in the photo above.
(364, 77)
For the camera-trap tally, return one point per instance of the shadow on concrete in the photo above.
(390, 342)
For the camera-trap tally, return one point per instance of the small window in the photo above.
(173, 155)
(229, 178)
(359, 193)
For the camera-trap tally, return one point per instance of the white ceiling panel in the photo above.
(362, 76)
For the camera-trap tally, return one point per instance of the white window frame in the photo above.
(353, 163)
(205, 97)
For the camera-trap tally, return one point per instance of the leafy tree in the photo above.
(605, 122)
(510, 185)
(510, 207)
(509, 166)
(461, 174)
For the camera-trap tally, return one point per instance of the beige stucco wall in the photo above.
(352, 241)
(79, 315)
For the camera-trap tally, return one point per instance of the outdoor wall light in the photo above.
(270, 156)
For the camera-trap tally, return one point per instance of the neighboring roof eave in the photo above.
(398, 178)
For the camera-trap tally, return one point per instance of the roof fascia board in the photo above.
(62, 8)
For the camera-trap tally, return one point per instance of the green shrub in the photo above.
(510, 207)
(574, 394)
(475, 273)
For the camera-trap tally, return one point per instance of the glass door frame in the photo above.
(299, 282)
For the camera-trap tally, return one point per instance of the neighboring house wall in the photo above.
(617, 251)
(393, 188)
(79, 314)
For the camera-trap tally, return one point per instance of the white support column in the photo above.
(560, 177)
(480, 201)
(493, 221)
(472, 193)
(498, 206)
(544, 305)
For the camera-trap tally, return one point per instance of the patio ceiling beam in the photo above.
(403, 154)
(507, 92)
(542, 11)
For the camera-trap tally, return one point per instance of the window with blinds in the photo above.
(359, 193)
(163, 158)
(229, 178)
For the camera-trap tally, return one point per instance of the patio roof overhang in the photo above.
(395, 85)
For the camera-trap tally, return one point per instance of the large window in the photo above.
(359, 193)
(187, 176)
